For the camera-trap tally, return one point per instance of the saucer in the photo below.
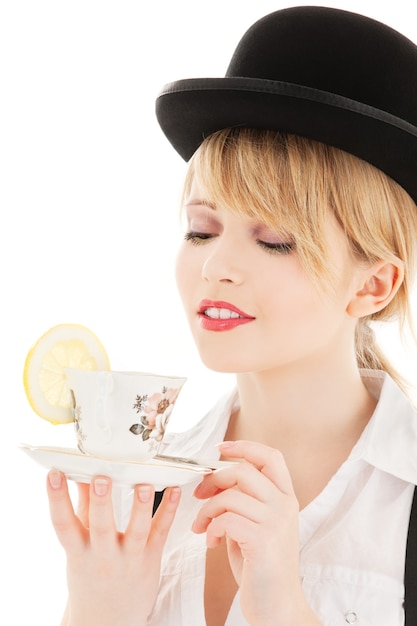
(81, 468)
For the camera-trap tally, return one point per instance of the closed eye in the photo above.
(282, 247)
(197, 238)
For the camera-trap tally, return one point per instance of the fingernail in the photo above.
(175, 494)
(226, 444)
(101, 486)
(144, 493)
(55, 479)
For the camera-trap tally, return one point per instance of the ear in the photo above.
(379, 286)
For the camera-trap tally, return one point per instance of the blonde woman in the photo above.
(301, 231)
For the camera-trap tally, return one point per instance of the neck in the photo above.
(296, 407)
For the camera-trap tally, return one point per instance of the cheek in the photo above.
(293, 307)
(286, 289)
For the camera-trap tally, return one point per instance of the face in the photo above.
(250, 305)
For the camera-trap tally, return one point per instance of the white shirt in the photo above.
(352, 536)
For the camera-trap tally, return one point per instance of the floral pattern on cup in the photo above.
(154, 412)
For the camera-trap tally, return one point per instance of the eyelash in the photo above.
(277, 248)
(285, 247)
(197, 238)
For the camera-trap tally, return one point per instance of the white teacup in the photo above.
(121, 415)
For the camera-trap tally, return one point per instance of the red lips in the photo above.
(218, 315)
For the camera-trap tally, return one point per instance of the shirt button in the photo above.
(351, 617)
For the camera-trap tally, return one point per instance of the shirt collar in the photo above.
(389, 441)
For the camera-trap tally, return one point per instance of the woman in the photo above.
(301, 231)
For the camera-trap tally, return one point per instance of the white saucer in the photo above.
(81, 468)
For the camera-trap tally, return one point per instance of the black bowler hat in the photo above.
(334, 76)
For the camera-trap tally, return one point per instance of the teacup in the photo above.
(121, 415)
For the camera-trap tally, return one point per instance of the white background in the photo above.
(89, 203)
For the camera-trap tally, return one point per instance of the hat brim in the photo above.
(190, 110)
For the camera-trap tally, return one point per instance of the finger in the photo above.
(244, 476)
(83, 505)
(102, 525)
(164, 516)
(240, 530)
(137, 531)
(230, 501)
(66, 524)
(269, 461)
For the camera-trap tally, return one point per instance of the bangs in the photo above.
(269, 178)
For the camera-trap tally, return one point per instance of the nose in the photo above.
(223, 262)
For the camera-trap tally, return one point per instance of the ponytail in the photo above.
(369, 354)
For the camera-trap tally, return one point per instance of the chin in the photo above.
(224, 365)
(224, 353)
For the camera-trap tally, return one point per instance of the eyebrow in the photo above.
(206, 203)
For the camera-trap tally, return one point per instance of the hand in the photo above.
(253, 505)
(112, 577)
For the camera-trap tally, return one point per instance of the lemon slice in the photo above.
(62, 346)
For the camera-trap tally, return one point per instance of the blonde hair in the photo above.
(291, 184)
